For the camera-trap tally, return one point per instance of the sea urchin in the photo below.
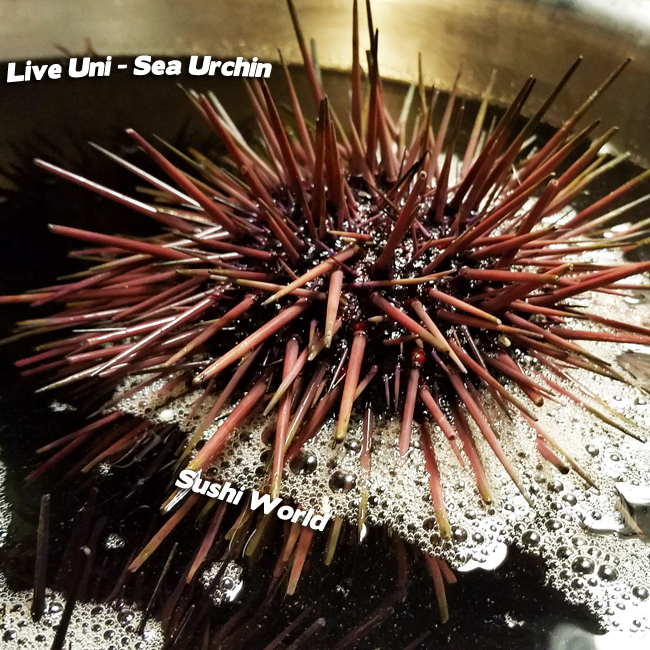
(363, 273)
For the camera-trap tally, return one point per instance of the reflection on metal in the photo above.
(570, 637)
(517, 37)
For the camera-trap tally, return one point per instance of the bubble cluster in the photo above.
(575, 529)
(92, 625)
(222, 582)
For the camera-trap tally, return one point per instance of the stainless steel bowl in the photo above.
(517, 37)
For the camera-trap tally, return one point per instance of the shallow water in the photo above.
(507, 607)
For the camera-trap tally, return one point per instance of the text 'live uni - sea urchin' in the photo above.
(358, 271)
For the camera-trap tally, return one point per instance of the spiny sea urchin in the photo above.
(350, 292)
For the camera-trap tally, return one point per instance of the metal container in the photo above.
(517, 37)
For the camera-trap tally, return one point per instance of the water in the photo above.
(508, 606)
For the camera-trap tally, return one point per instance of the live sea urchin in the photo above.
(358, 307)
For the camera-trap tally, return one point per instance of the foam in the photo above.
(93, 625)
(576, 530)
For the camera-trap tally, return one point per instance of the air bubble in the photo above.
(570, 499)
(583, 565)
(531, 538)
(342, 481)
(353, 445)
(459, 534)
(125, 617)
(304, 463)
(265, 456)
(607, 573)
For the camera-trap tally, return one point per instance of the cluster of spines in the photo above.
(482, 274)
